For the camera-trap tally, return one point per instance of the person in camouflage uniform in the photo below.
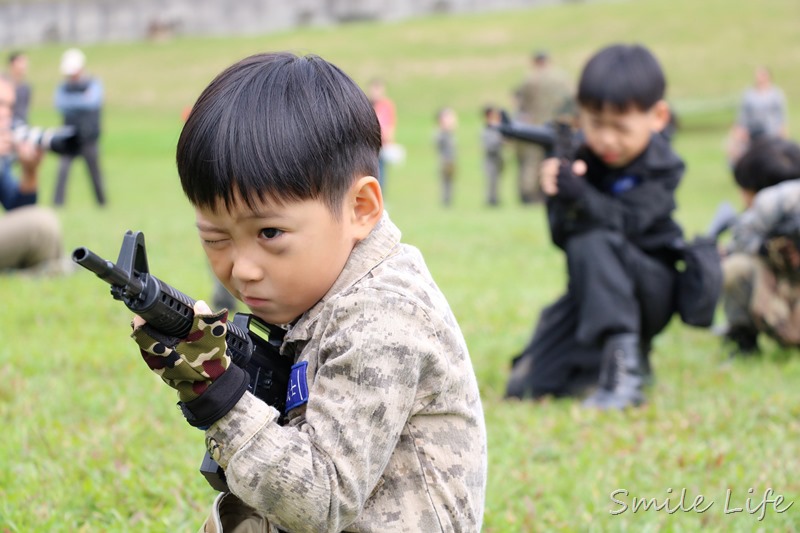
(544, 95)
(383, 428)
(761, 264)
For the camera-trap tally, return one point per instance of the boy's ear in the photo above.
(366, 205)
(661, 115)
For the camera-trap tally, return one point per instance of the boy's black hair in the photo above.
(768, 161)
(281, 127)
(622, 77)
(14, 54)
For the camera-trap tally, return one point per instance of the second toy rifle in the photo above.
(558, 137)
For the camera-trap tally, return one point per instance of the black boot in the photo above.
(744, 340)
(519, 382)
(648, 376)
(621, 374)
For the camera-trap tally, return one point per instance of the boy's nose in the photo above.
(246, 269)
(607, 137)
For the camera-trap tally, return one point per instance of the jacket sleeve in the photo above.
(754, 224)
(91, 98)
(317, 476)
(632, 213)
(10, 195)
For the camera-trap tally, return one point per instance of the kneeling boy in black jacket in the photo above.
(611, 213)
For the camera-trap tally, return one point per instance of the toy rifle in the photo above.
(558, 137)
(251, 343)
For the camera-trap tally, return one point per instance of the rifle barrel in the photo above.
(105, 270)
(544, 136)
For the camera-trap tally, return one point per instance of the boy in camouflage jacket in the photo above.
(761, 291)
(384, 429)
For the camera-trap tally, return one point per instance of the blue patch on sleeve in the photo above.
(297, 392)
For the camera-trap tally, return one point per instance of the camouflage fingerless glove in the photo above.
(197, 366)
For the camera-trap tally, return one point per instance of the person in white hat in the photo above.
(79, 98)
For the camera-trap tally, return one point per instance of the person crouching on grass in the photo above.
(384, 429)
(611, 213)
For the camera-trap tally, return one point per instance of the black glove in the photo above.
(570, 186)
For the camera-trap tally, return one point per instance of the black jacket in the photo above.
(636, 200)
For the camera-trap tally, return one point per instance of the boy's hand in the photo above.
(29, 157)
(559, 179)
(192, 364)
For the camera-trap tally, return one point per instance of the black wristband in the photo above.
(218, 399)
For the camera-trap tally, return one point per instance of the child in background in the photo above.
(446, 121)
(387, 117)
(493, 162)
(761, 263)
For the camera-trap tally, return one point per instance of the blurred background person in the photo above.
(18, 72)
(761, 263)
(445, 141)
(387, 118)
(79, 99)
(544, 94)
(493, 162)
(762, 111)
(30, 235)
(612, 214)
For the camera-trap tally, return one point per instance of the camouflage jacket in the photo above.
(544, 95)
(756, 229)
(389, 434)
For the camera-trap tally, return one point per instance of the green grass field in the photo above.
(93, 441)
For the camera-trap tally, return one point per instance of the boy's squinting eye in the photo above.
(212, 242)
(270, 233)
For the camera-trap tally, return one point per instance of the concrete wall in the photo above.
(27, 22)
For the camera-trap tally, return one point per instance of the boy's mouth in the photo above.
(610, 157)
(251, 301)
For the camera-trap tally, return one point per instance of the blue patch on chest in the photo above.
(624, 184)
(297, 391)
